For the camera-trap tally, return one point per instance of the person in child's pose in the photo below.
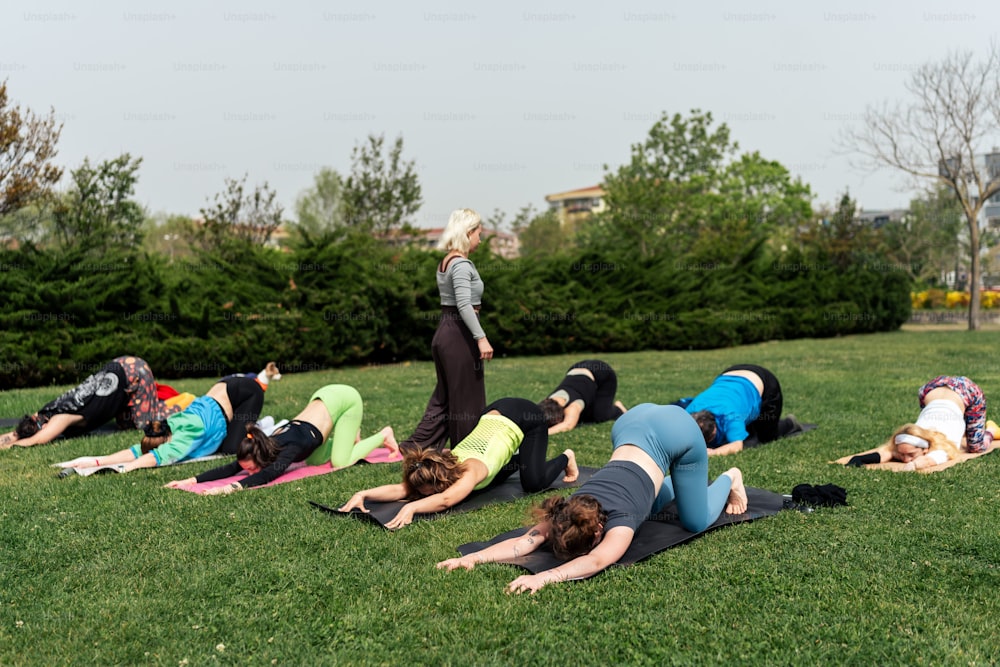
(512, 435)
(586, 395)
(659, 456)
(215, 422)
(335, 408)
(952, 419)
(124, 389)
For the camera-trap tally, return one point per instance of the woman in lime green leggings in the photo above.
(335, 409)
(341, 423)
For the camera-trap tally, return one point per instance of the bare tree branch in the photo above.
(948, 133)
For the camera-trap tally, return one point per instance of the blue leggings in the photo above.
(673, 439)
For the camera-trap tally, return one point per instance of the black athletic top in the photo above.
(624, 491)
(98, 400)
(297, 441)
(580, 387)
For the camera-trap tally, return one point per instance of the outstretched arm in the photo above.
(125, 456)
(514, 547)
(881, 454)
(571, 417)
(53, 428)
(437, 502)
(612, 547)
(382, 494)
(728, 448)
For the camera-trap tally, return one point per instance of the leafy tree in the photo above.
(756, 199)
(685, 190)
(27, 147)
(941, 135)
(98, 210)
(382, 194)
(249, 217)
(541, 234)
(170, 235)
(660, 196)
(320, 208)
(842, 234)
(925, 243)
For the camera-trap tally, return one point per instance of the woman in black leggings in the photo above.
(511, 436)
(585, 396)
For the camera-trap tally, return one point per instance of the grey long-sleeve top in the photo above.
(460, 286)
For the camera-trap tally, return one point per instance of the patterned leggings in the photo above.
(143, 405)
(975, 407)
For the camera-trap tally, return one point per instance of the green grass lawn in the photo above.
(117, 570)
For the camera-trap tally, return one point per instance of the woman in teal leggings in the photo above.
(659, 456)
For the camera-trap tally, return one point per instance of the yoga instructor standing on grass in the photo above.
(459, 347)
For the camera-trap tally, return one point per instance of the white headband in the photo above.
(907, 439)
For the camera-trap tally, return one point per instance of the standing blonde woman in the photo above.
(459, 346)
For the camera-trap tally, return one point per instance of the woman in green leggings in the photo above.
(335, 408)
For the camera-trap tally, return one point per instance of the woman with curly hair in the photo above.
(659, 456)
(511, 435)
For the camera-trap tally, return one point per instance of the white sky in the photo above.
(498, 103)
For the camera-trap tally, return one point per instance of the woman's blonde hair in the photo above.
(936, 441)
(456, 234)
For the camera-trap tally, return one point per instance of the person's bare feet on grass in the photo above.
(572, 470)
(737, 501)
(621, 406)
(389, 441)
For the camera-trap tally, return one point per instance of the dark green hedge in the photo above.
(353, 301)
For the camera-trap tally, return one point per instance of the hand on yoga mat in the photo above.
(223, 490)
(357, 502)
(403, 518)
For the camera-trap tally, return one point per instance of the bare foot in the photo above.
(389, 441)
(737, 501)
(572, 470)
(621, 406)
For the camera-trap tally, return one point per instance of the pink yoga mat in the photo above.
(298, 471)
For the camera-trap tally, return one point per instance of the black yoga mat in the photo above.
(654, 535)
(797, 429)
(510, 489)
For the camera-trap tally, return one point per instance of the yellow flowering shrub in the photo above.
(935, 298)
(989, 299)
(955, 299)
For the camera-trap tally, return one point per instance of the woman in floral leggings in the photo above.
(952, 419)
(124, 389)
